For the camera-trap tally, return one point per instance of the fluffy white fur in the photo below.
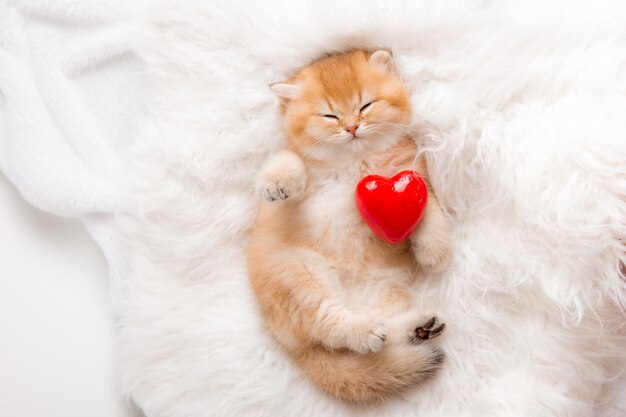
(521, 113)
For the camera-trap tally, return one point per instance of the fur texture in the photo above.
(521, 109)
(335, 296)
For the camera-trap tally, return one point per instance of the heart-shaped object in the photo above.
(392, 207)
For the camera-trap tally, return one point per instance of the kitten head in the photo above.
(346, 104)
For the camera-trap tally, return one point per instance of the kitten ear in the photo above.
(285, 91)
(383, 60)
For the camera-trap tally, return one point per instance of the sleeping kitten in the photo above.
(334, 295)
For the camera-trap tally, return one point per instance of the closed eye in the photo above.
(366, 106)
(330, 116)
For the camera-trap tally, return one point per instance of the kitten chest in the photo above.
(330, 212)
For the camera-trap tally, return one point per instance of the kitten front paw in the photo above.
(283, 176)
(433, 255)
(276, 187)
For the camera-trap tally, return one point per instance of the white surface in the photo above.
(56, 346)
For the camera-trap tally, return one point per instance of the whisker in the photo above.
(374, 128)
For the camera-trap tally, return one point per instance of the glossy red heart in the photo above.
(392, 207)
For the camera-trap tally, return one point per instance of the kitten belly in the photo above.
(366, 270)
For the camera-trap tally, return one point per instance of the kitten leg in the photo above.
(283, 176)
(327, 319)
(336, 326)
(296, 292)
(431, 240)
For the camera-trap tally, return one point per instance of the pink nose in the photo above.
(352, 129)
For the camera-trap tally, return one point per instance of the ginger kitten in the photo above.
(335, 296)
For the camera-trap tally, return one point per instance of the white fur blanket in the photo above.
(521, 112)
(68, 105)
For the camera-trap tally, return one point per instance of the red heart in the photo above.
(392, 207)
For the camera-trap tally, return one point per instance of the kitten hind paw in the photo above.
(368, 339)
(429, 330)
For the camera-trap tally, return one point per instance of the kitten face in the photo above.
(345, 106)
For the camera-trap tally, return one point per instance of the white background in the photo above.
(56, 326)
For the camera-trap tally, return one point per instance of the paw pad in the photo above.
(429, 330)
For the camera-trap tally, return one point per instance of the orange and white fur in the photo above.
(334, 295)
